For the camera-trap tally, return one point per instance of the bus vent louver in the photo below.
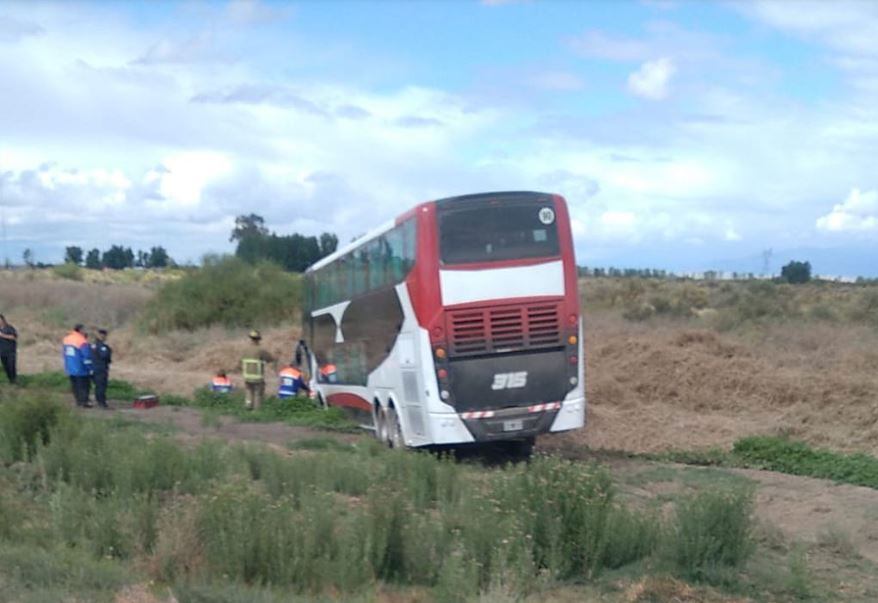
(504, 328)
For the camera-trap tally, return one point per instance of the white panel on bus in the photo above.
(465, 286)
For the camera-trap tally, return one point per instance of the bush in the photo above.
(225, 291)
(26, 423)
(712, 532)
(68, 271)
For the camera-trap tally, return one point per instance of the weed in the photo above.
(712, 532)
(26, 423)
(798, 581)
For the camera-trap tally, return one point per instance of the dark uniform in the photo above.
(102, 357)
(8, 346)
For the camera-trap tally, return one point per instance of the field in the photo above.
(714, 409)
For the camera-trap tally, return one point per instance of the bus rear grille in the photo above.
(504, 328)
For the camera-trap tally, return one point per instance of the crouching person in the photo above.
(221, 383)
(290, 382)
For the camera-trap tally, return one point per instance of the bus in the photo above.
(457, 323)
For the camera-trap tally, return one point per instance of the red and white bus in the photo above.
(459, 322)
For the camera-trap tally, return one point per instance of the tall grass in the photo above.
(712, 533)
(333, 521)
(225, 291)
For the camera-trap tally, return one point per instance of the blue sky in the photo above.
(685, 135)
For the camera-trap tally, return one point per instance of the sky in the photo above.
(684, 135)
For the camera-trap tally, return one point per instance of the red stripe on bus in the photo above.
(349, 400)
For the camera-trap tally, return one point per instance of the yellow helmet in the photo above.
(254, 334)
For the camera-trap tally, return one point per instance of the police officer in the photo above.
(8, 345)
(77, 363)
(102, 357)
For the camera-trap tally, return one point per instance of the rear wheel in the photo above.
(380, 424)
(394, 429)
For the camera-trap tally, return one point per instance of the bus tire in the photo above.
(380, 423)
(395, 438)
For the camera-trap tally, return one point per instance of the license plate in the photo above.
(514, 425)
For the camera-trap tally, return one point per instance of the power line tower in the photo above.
(766, 261)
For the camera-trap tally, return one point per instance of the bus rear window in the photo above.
(491, 233)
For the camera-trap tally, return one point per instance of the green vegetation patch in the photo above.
(117, 389)
(296, 411)
(797, 458)
(97, 500)
(225, 291)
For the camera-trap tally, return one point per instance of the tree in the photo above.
(328, 243)
(73, 255)
(796, 272)
(93, 259)
(157, 258)
(248, 226)
(28, 257)
(118, 257)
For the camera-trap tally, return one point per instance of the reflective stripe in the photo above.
(253, 369)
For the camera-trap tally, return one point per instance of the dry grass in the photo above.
(669, 382)
(669, 385)
(51, 303)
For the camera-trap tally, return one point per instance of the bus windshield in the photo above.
(480, 232)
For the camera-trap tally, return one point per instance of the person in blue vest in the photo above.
(290, 382)
(77, 364)
(221, 383)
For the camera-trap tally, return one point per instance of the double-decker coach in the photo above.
(459, 322)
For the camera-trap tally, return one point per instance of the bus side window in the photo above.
(408, 253)
(395, 255)
(376, 265)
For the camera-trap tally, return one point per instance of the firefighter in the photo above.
(221, 383)
(291, 382)
(102, 358)
(77, 364)
(253, 369)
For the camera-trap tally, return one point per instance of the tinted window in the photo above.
(503, 231)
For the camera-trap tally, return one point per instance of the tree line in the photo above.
(118, 257)
(294, 252)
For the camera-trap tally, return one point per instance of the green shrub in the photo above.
(712, 532)
(25, 423)
(225, 291)
(68, 270)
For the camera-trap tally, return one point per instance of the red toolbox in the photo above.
(147, 401)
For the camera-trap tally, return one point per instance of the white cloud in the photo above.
(857, 213)
(652, 79)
